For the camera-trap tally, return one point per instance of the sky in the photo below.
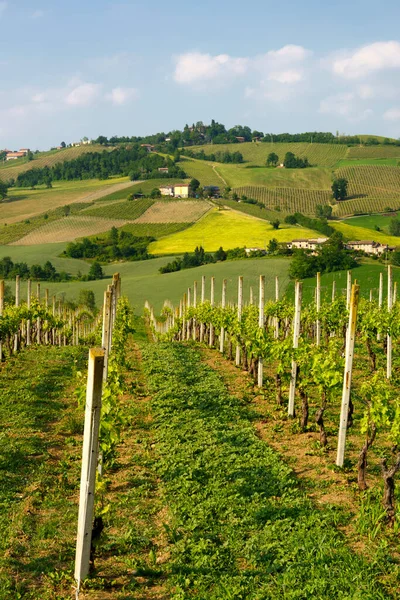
(102, 67)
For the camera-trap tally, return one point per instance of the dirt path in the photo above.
(214, 167)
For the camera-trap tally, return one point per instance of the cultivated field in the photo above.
(181, 211)
(25, 203)
(227, 229)
(373, 181)
(68, 229)
(311, 178)
(324, 155)
(202, 170)
(364, 206)
(289, 200)
(352, 232)
(11, 169)
(128, 210)
(374, 152)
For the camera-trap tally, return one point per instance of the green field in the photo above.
(316, 178)
(227, 229)
(353, 232)
(324, 155)
(369, 222)
(201, 170)
(374, 152)
(289, 200)
(379, 162)
(254, 210)
(128, 210)
(361, 206)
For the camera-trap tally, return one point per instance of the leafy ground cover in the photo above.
(241, 526)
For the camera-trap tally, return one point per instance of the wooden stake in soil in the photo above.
(318, 302)
(17, 293)
(350, 341)
(348, 291)
(223, 304)
(1, 311)
(239, 315)
(28, 304)
(189, 297)
(276, 334)
(389, 337)
(251, 296)
(194, 306)
(296, 334)
(380, 298)
(212, 299)
(261, 323)
(89, 463)
(105, 337)
(203, 297)
(38, 322)
(333, 290)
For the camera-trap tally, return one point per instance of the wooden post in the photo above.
(333, 290)
(380, 298)
(53, 333)
(17, 295)
(1, 312)
(38, 323)
(276, 333)
(212, 299)
(89, 463)
(348, 291)
(350, 341)
(28, 304)
(394, 293)
(318, 324)
(251, 296)
(105, 335)
(189, 300)
(239, 315)
(194, 306)
(389, 337)
(223, 304)
(261, 322)
(370, 295)
(203, 296)
(46, 302)
(296, 333)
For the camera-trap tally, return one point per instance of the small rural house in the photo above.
(369, 247)
(163, 169)
(306, 244)
(167, 190)
(181, 190)
(240, 139)
(16, 155)
(148, 147)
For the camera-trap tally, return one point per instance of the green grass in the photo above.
(227, 229)
(201, 170)
(289, 200)
(367, 276)
(354, 232)
(364, 206)
(40, 253)
(369, 222)
(40, 469)
(351, 162)
(254, 210)
(374, 152)
(129, 210)
(316, 178)
(324, 155)
(242, 527)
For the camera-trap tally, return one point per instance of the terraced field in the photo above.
(373, 181)
(364, 206)
(374, 152)
(46, 159)
(289, 200)
(317, 178)
(201, 170)
(181, 211)
(325, 155)
(128, 210)
(68, 229)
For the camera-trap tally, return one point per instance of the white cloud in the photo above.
(120, 95)
(393, 114)
(290, 76)
(84, 94)
(369, 59)
(3, 7)
(346, 104)
(193, 67)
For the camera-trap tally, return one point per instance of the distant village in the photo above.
(23, 152)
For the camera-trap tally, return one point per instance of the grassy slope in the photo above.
(201, 170)
(227, 229)
(129, 210)
(353, 232)
(374, 152)
(379, 162)
(312, 178)
(369, 221)
(25, 203)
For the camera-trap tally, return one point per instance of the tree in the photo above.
(66, 210)
(114, 235)
(395, 257)
(3, 190)
(220, 254)
(272, 159)
(323, 211)
(275, 224)
(95, 271)
(273, 246)
(155, 193)
(87, 298)
(339, 188)
(194, 185)
(63, 144)
(29, 155)
(394, 227)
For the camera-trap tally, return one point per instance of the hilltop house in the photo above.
(15, 155)
(306, 244)
(369, 247)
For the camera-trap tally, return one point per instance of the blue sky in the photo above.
(70, 69)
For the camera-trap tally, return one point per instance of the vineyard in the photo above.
(364, 206)
(181, 211)
(289, 200)
(376, 182)
(381, 151)
(127, 210)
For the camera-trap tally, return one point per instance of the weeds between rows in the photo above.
(241, 526)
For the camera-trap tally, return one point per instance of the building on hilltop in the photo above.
(163, 169)
(369, 247)
(306, 244)
(15, 155)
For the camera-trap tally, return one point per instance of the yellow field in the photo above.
(351, 232)
(228, 229)
(24, 203)
(181, 211)
(68, 229)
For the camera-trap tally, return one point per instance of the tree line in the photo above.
(116, 245)
(222, 157)
(135, 162)
(47, 272)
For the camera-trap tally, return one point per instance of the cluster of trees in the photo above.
(47, 272)
(114, 246)
(394, 226)
(339, 188)
(222, 157)
(331, 256)
(320, 224)
(134, 161)
(198, 258)
(295, 162)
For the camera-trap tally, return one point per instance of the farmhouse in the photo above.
(181, 190)
(258, 250)
(306, 244)
(369, 247)
(148, 147)
(163, 169)
(167, 190)
(15, 155)
(240, 139)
